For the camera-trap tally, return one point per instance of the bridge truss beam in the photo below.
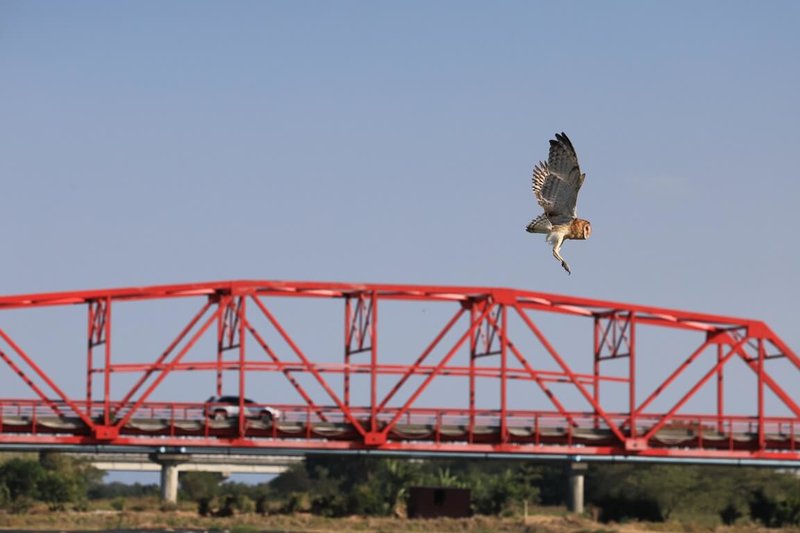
(482, 331)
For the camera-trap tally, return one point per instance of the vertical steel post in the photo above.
(373, 365)
(597, 349)
(107, 369)
(503, 374)
(221, 306)
(348, 317)
(720, 391)
(632, 372)
(473, 349)
(761, 430)
(242, 357)
(90, 361)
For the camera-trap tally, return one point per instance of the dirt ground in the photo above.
(252, 523)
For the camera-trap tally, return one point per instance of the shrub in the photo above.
(730, 514)
(293, 504)
(245, 504)
(81, 505)
(773, 511)
(197, 485)
(262, 505)
(204, 506)
(57, 489)
(20, 505)
(118, 504)
(20, 477)
(228, 508)
(328, 504)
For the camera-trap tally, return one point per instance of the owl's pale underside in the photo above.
(556, 184)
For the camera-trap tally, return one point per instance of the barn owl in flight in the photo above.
(556, 184)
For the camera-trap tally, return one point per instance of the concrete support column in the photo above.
(169, 481)
(169, 474)
(576, 471)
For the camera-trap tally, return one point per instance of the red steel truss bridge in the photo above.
(400, 369)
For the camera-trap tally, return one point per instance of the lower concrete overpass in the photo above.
(170, 465)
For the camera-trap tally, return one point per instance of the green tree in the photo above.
(339, 486)
(294, 479)
(493, 495)
(65, 479)
(117, 489)
(775, 510)
(327, 498)
(5, 496)
(660, 492)
(356, 485)
(667, 486)
(336, 486)
(788, 512)
(199, 485)
(20, 477)
(80, 469)
(443, 477)
(57, 489)
(615, 491)
(399, 474)
(497, 486)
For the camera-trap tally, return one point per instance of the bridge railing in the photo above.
(581, 429)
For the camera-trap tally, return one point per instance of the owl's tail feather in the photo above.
(540, 224)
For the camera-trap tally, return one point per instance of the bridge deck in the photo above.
(549, 431)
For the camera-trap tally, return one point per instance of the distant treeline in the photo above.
(343, 486)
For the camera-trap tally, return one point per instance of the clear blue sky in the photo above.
(160, 142)
(392, 142)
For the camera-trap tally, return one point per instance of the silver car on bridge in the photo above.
(227, 407)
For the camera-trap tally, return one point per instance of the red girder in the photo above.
(483, 331)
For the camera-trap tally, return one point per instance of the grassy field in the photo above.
(185, 518)
(103, 520)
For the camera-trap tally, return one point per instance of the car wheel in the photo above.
(266, 417)
(220, 415)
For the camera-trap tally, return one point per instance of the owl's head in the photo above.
(581, 229)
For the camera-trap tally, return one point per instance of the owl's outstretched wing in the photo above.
(556, 183)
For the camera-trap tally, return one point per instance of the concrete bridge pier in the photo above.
(170, 466)
(576, 471)
(169, 482)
